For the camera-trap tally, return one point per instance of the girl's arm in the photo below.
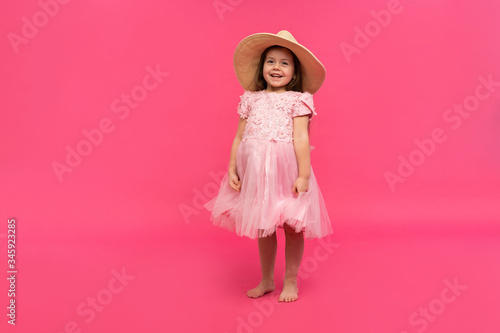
(236, 142)
(301, 144)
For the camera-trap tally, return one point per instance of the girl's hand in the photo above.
(300, 185)
(234, 181)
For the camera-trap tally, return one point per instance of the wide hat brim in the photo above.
(247, 55)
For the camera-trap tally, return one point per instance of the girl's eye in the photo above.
(285, 63)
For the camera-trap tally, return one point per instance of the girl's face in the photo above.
(278, 69)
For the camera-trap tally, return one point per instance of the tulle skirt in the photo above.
(267, 171)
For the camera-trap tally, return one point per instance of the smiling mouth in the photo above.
(276, 75)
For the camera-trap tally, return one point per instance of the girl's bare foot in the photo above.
(290, 292)
(264, 286)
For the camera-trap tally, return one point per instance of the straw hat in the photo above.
(247, 55)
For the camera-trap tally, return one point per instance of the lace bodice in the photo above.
(269, 115)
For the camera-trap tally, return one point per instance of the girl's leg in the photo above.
(294, 249)
(267, 253)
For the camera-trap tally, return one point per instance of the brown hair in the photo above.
(294, 84)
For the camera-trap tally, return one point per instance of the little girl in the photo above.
(270, 183)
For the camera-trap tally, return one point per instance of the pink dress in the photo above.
(267, 168)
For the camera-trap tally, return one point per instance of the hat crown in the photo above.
(287, 35)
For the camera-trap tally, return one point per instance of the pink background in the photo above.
(133, 204)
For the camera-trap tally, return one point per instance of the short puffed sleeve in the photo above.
(244, 106)
(304, 105)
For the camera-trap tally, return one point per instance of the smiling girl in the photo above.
(270, 183)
